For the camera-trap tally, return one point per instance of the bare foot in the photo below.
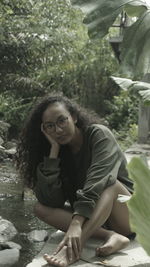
(113, 243)
(60, 259)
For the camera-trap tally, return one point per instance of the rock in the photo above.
(1, 141)
(7, 153)
(11, 151)
(9, 253)
(9, 257)
(3, 154)
(10, 144)
(28, 194)
(11, 244)
(38, 235)
(7, 230)
(4, 127)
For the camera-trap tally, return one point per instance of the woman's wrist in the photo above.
(54, 151)
(78, 219)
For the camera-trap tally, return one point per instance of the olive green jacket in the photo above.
(81, 178)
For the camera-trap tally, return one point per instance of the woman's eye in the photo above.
(50, 126)
(61, 120)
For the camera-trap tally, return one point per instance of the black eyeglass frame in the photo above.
(50, 127)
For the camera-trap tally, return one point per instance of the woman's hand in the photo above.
(54, 145)
(72, 240)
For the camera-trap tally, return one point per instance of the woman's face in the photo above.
(59, 123)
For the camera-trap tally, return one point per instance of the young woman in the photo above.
(64, 154)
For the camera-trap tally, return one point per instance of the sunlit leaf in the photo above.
(136, 8)
(124, 83)
(145, 96)
(139, 204)
(142, 87)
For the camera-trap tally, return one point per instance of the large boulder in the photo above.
(7, 230)
(9, 257)
(9, 251)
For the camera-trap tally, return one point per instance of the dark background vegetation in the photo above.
(44, 47)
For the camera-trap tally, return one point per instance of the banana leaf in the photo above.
(139, 203)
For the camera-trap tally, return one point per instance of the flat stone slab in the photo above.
(133, 255)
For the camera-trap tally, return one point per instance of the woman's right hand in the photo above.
(55, 147)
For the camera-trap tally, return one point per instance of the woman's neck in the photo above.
(77, 141)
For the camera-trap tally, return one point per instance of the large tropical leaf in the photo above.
(100, 16)
(135, 50)
(139, 207)
(142, 87)
(145, 96)
(123, 83)
(136, 8)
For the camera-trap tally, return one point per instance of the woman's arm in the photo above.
(48, 188)
(72, 238)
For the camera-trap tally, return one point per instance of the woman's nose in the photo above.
(58, 129)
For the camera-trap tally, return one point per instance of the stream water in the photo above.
(20, 213)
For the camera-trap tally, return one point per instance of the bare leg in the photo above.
(117, 217)
(107, 209)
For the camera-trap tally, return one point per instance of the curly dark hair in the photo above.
(32, 144)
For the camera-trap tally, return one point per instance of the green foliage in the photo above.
(100, 16)
(139, 203)
(44, 48)
(87, 77)
(37, 34)
(123, 110)
(145, 96)
(126, 137)
(136, 57)
(122, 116)
(143, 88)
(14, 110)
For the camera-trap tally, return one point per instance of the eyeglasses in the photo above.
(50, 127)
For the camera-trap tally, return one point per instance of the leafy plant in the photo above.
(100, 16)
(44, 47)
(126, 136)
(143, 88)
(14, 111)
(122, 110)
(139, 203)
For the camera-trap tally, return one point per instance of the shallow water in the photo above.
(20, 213)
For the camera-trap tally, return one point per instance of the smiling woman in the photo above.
(65, 154)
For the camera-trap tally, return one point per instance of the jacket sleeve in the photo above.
(102, 172)
(48, 189)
